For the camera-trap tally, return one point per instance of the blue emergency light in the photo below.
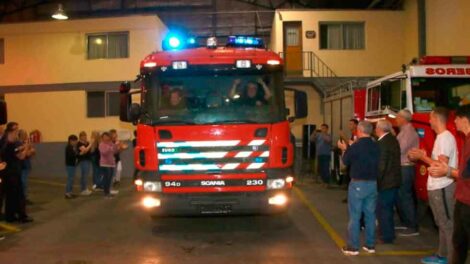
(178, 41)
(244, 41)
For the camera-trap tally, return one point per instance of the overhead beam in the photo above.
(255, 3)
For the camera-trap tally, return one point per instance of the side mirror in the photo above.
(124, 106)
(3, 112)
(125, 87)
(301, 105)
(134, 112)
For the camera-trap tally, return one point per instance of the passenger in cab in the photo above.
(252, 95)
(176, 100)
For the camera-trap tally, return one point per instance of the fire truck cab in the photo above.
(434, 81)
(212, 129)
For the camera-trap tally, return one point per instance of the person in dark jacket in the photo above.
(388, 181)
(13, 152)
(71, 154)
(363, 157)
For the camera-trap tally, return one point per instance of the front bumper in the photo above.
(218, 203)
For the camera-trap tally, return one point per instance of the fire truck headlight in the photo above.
(278, 200)
(273, 184)
(138, 182)
(150, 202)
(289, 179)
(152, 186)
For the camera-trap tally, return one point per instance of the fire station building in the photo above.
(70, 70)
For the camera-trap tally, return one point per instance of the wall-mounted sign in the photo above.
(310, 34)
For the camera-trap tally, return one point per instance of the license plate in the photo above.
(215, 209)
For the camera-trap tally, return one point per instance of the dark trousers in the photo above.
(461, 232)
(385, 203)
(406, 198)
(2, 192)
(107, 173)
(136, 173)
(324, 167)
(15, 204)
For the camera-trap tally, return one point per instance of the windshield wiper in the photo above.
(244, 121)
(171, 122)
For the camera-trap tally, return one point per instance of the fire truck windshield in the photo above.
(428, 93)
(213, 97)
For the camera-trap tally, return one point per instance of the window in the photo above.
(108, 45)
(292, 36)
(389, 94)
(342, 36)
(101, 104)
(207, 96)
(112, 106)
(373, 99)
(2, 51)
(428, 93)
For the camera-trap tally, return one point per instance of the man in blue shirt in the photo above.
(363, 157)
(323, 151)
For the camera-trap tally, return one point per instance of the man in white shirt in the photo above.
(441, 190)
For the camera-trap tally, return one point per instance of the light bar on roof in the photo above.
(244, 41)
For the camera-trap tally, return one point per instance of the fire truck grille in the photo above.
(212, 156)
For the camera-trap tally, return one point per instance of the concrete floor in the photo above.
(94, 230)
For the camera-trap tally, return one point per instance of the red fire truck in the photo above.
(212, 129)
(433, 81)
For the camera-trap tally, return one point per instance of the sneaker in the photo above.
(434, 259)
(401, 227)
(2, 237)
(69, 196)
(408, 233)
(370, 250)
(85, 192)
(350, 251)
(114, 192)
(97, 188)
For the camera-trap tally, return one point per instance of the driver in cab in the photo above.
(176, 100)
(252, 95)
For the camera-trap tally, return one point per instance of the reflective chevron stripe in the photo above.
(257, 142)
(215, 143)
(207, 155)
(212, 155)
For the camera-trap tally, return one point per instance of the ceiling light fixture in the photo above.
(60, 14)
